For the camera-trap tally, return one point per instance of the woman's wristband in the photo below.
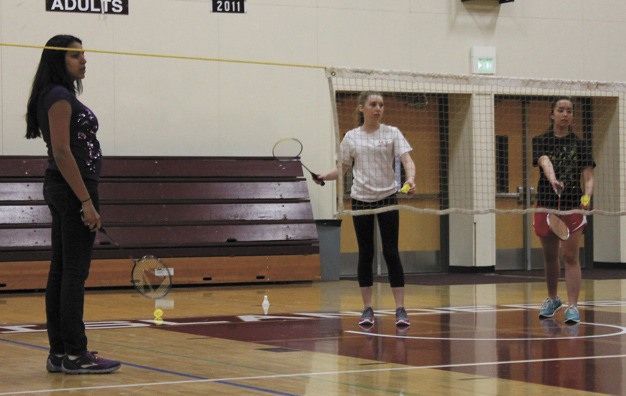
(86, 200)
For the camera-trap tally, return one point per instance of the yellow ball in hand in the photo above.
(585, 199)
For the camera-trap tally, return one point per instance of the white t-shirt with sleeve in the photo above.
(371, 156)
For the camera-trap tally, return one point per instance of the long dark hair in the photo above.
(553, 104)
(51, 71)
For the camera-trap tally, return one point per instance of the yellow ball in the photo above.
(585, 199)
(158, 313)
(158, 321)
(405, 189)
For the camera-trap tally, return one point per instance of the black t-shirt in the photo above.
(83, 128)
(569, 156)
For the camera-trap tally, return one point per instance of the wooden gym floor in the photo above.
(465, 339)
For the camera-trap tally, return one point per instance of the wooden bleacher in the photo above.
(213, 220)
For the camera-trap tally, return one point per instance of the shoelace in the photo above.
(547, 302)
(93, 354)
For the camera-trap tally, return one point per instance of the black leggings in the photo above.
(389, 224)
(72, 244)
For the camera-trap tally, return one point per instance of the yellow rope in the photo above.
(184, 57)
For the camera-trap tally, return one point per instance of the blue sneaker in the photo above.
(550, 307)
(53, 364)
(572, 316)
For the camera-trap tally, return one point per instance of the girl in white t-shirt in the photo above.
(370, 150)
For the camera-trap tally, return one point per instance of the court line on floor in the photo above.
(322, 373)
(622, 330)
(196, 379)
(148, 368)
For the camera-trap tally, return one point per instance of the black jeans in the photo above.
(388, 224)
(72, 243)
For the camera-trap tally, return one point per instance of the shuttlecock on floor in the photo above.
(265, 304)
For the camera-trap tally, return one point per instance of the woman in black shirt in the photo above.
(563, 160)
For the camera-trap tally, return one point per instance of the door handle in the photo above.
(521, 195)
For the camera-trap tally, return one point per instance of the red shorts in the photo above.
(574, 221)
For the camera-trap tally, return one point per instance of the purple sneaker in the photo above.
(53, 364)
(89, 363)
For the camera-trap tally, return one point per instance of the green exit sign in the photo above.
(485, 66)
(483, 60)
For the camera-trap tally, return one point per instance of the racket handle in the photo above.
(316, 178)
(559, 190)
(111, 240)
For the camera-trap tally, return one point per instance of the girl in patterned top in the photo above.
(563, 160)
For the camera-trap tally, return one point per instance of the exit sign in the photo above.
(483, 60)
(229, 6)
(485, 66)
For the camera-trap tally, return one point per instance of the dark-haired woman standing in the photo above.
(69, 130)
(566, 177)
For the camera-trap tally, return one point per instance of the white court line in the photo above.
(407, 368)
(322, 373)
(622, 330)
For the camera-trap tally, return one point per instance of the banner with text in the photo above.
(116, 7)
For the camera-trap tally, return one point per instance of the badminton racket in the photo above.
(149, 275)
(290, 148)
(557, 226)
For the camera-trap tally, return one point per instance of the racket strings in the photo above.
(290, 149)
(151, 277)
(287, 149)
(556, 224)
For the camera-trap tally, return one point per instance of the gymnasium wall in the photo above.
(182, 102)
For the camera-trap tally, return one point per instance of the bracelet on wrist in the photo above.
(86, 200)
